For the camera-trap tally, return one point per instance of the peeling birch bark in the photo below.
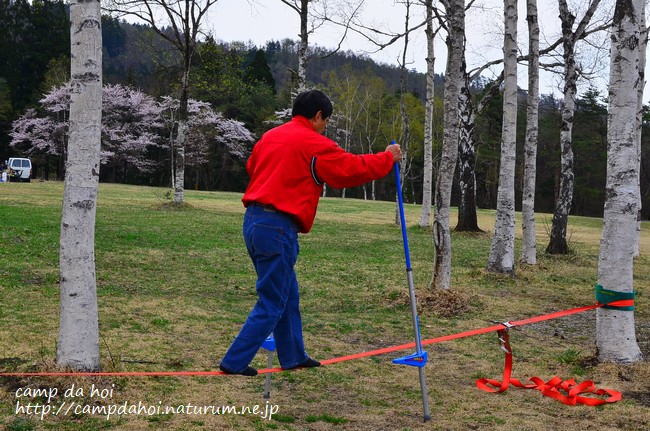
(78, 343)
(444, 182)
(615, 332)
(427, 182)
(529, 238)
(502, 249)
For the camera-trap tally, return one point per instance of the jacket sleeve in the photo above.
(340, 169)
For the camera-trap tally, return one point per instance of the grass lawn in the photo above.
(174, 287)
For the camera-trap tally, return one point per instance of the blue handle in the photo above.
(400, 201)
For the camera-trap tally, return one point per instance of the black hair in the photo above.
(309, 102)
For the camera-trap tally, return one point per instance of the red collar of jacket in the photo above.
(303, 120)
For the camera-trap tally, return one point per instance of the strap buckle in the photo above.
(503, 335)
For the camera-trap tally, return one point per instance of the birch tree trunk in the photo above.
(345, 91)
(406, 137)
(322, 11)
(643, 45)
(558, 243)
(78, 344)
(529, 240)
(615, 334)
(172, 150)
(502, 250)
(467, 217)
(301, 7)
(425, 215)
(179, 163)
(181, 136)
(304, 44)
(453, 81)
(406, 125)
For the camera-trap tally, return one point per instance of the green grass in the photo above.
(325, 418)
(175, 285)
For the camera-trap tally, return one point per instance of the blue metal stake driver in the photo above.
(419, 358)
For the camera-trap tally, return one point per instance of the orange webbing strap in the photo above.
(565, 391)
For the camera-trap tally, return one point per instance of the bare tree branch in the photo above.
(489, 93)
(293, 5)
(582, 32)
(346, 26)
(586, 19)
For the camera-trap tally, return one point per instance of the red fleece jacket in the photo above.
(290, 164)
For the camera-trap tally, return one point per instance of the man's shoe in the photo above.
(248, 371)
(309, 363)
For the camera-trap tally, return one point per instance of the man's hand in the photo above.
(396, 151)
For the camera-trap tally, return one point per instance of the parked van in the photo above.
(19, 169)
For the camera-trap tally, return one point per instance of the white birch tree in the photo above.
(558, 243)
(427, 181)
(301, 7)
(453, 81)
(78, 344)
(467, 219)
(502, 250)
(344, 91)
(615, 333)
(467, 147)
(371, 108)
(357, 123)
(405, 140)
(529, 240)
(643, 45)
(311, 19)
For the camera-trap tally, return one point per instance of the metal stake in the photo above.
(269, 344)
(420, 357)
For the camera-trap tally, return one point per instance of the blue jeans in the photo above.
(271, 238)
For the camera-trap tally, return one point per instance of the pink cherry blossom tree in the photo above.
(130, 126)
(207, 131)
(131, 123)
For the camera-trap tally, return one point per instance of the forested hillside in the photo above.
(251, 83)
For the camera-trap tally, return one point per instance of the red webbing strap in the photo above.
(327, 361)
(565, 391)
(490, 385)
(412, 345)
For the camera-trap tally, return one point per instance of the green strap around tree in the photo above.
(604, 296)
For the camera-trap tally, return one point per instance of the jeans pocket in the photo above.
(267, 240)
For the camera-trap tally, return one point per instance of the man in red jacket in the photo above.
(287, 169)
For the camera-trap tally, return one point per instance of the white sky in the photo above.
(259, 21)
